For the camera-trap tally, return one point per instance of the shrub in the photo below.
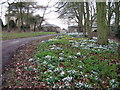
(118, 32)
(12, 24)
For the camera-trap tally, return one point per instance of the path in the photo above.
(10, 46)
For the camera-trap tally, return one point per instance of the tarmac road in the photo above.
(10, 46)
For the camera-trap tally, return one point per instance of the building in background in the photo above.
(73, 29)
(51, 28)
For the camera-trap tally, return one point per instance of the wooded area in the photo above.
(104, 14)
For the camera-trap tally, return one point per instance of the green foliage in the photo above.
(12, 24)
(70, 64)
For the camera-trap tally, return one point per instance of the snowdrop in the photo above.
(53, 45)
(52, 48)
(61, 58)
(31, 68)
(45, 62)
(70, 56)
(30, 59)
(78, 53)
(58, 69)
(74, 57)
(25, 68)
(72, 71)
(61, 54)
(62, 73)
(51, 66)
(79, 84)
(52, 39)
(42, 41)
(80, 66)
(70, 40)
(48, 57)
(69, 79)
(100, 46)
(58, 48)
(94, 37)
(75, 45)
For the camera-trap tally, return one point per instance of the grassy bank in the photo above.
(8, 36)
(67, 62)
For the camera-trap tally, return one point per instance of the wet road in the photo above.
(10, 46)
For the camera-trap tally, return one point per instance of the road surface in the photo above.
(10, 46)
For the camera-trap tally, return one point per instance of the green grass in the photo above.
(8, 36)
(59, 64)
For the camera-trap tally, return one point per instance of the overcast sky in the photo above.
(51, 17)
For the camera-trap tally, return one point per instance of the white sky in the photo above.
(50, 17)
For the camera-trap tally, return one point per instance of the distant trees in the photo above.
(73, 11)
(34, 21)
(23, 12)
(86, 13)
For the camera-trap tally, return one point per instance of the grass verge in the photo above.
(8, 36)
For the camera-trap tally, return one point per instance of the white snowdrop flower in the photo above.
(70, 56)
(80, 66)
(96, 78)
(80, 84)
(74, 57)
(52, 48)
(30, 59)
(81, 72)
(52, 39)
(59, 48)
(42, 41)
(45, 72)
(58, 69)
(94, 72)
(54, 45)
(61, 58)
(72, 71)
(18, 63)
(67, 79)
(85, 75)
(18, 77)
(25, 68)
(51, 77)
(78, 53)
(34, 69)
(48, 57)
(70, 40)
(44, 62)
(75, 46)
(62, 73)
(19, 73)
(113, 80)
(84, 56)
(62, 86)
(61, 54)
(94, 37)
(50, 65)
(50, 71)
(100, 46)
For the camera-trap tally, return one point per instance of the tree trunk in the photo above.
(88, 22)
(8, 24)
(84, 28)
(18, 23)
(34, 27)
(101, 23)
(116, 15)
(81, 15)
